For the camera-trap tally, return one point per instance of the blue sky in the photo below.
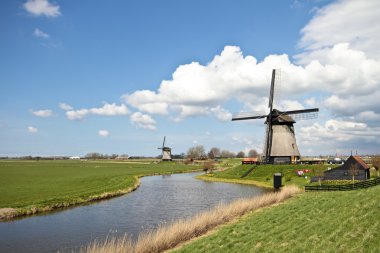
(89, 76)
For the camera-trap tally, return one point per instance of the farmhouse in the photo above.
(354, 166)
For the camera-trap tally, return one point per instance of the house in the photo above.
(250, 160)
(354, 167)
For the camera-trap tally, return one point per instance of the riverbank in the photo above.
(30, 187)
(310, 222)
(169, 236)
(211, 178)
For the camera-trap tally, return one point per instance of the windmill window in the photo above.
(293, 145)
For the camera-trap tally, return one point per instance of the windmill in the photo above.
(280, 141)
(166, 152)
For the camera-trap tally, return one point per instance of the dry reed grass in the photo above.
(167, 237)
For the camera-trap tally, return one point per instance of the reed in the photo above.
(169, 236)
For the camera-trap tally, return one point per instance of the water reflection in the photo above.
(160, 199)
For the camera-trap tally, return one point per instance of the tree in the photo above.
(253, 153)
(240, 155)
(197, 152)
(354, 171)
(227, 154)
(214, 152)
(376, 164)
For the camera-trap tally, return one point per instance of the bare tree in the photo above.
(227, 154)
(214, 152)
(240, 155)
(197, 152)
(376, 164)
(253, 153)
(353, 170)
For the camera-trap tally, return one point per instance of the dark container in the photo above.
(277, 181)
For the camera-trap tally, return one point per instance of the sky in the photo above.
(117, 76)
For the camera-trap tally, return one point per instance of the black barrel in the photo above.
(277, 181)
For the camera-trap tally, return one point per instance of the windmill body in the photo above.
(283, 146)
(166, 152)
(280, 141)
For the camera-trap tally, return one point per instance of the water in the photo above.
(159, 200)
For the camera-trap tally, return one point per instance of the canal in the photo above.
(159, 200)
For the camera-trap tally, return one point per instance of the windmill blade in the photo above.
(302, 114)
(163, 144)
(277, 88)
(270, 105)
(247, 115)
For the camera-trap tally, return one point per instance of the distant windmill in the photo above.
(280, 141)
(166, 152)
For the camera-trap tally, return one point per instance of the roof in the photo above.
(360, 161)
(352, 160)
(250, 159)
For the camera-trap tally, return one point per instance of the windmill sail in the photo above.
(280, 143)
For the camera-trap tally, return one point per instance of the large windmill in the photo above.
(166, 152)
(280, 141)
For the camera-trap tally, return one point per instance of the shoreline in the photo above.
(235, 181)
(10, 214)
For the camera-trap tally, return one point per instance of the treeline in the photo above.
(198, 152)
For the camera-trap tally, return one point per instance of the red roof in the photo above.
(361, 162)
(249, 159)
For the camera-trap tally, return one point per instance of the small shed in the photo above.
(353, 166)
(249, 160)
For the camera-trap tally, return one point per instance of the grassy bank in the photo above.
(262, 175)
(34, 186)
(310, 222)
(167, 237)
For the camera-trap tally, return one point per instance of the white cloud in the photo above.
(65, 107)
(350, 21)
(42, 7)
(43, 113)
(40, 34)
(76, 114)
(106, 110)
(103, 133)
(338, 131)
(32, 130)
(143, 121)
(110, 110)
(221, 113)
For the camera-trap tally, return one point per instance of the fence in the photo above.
(345, 187)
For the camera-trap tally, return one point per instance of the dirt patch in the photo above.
(7, 213)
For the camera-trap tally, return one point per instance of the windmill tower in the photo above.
(280, 141)
(166, 152)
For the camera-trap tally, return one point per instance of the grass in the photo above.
(263, 174)
(310, 222)
(34, 186)
(167, 237)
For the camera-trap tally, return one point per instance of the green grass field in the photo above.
(264, 173)
(310, 222)
(37, 184)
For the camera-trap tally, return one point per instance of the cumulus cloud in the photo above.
(40, 34)
(32, 130)
(338, 131)
(65, 107)
(43, 113)
(350, 21)
(221, 113)
(103, 133)
(41, 7)
(144, 121)
(106, 110)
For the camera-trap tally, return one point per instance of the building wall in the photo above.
(284, 141)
